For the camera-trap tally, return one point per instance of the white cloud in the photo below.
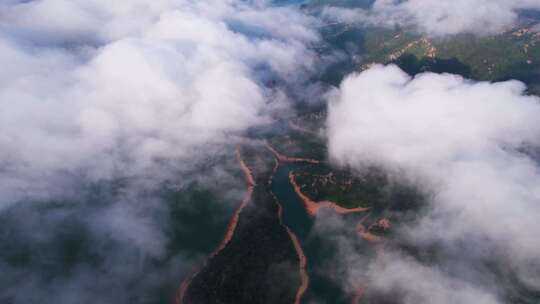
(102, 100)
(417, 283)
(438, 18)
(101, 89)
(460, 141)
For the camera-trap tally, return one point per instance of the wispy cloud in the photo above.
(103, 101)
(438, 18)
(106, 89)
(468, 144)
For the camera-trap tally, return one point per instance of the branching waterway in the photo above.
(316, 248)
(272, 226)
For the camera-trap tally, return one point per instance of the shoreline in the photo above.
(302, 259)
(283, 158)
(357, 296)
(312, 207)
(231, 227)
(298, 128)
(303, 263)
(366, 235)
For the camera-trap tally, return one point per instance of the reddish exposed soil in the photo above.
(304, 278)
(236, 216)
(230, 228)
(382, 223)
(366, 235)
(303, 262)
(358, 294)
(298, 128)
(288, 159)
(313, 207)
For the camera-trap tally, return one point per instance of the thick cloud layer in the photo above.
(102, 101)
(103, 89)
(468, 145)
(438, 18)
